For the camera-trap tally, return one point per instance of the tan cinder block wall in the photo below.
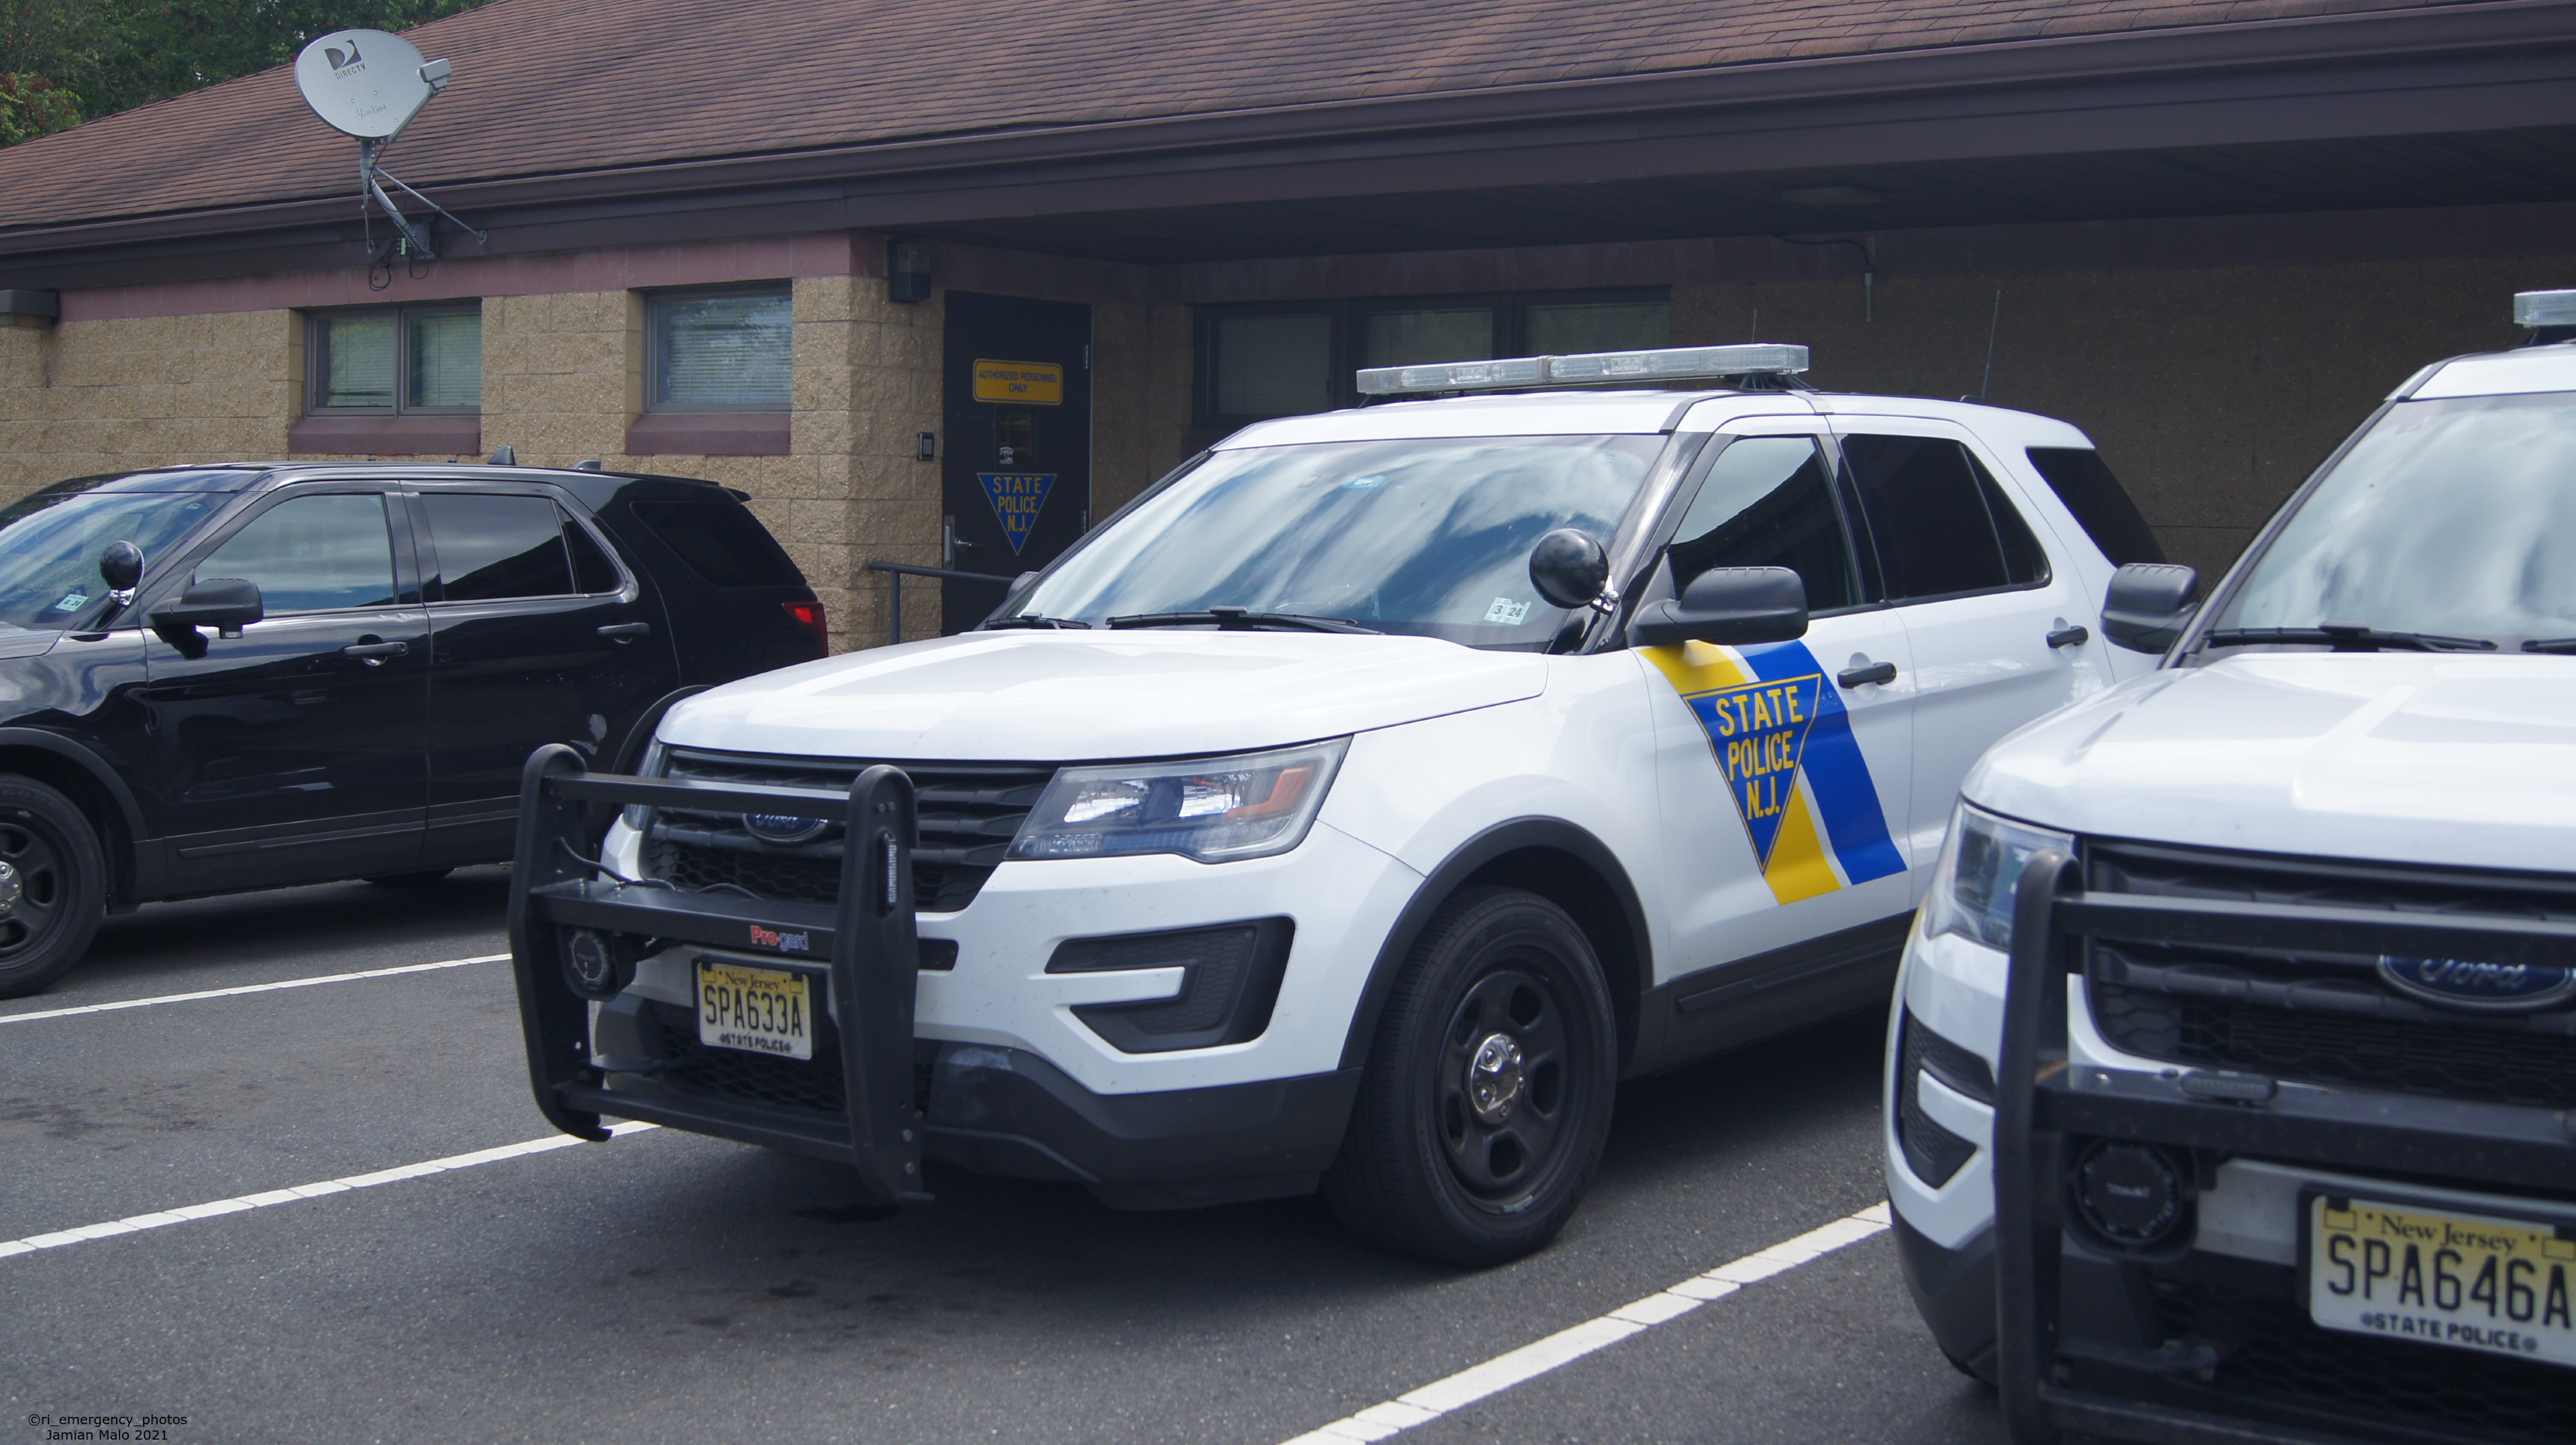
(563, 375)
(1141, 364)
(98, 396)
(2212, 393)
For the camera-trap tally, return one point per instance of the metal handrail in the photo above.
(897, 571)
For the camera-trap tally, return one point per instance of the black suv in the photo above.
(218, 678)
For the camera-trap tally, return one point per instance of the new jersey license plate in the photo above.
(2472, 1282)
(758, 1010)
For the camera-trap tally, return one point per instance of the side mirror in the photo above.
(1569, 568)
(121, 568)
(2149, 604)
(1733, 605)
(223, 603)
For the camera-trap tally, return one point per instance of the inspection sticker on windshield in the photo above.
(757, 1010)
(1507, 612)
(2498, 1286)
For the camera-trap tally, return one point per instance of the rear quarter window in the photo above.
(2100, 504)
(721, 542)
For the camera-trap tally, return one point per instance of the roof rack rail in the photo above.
(1679, 363)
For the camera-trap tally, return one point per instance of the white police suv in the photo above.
(1362, 802)
(2284, 1140)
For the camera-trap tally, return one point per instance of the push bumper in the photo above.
(865, 943)
(2164, 1343)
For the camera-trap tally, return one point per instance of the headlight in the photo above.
(1979, 871)
(638, 816)
(1212, 809)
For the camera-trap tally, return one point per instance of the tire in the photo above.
(55, 889)
(421, 879)
(1423, 1171)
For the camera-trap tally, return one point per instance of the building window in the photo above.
(718, 350)
(395, 361)
(1286, 360)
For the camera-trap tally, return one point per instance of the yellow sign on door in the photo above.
(1030, 383)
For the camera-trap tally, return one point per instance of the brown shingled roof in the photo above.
(549, 87)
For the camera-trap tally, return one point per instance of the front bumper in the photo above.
(2211, 1340)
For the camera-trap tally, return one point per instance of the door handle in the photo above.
(373, 652)
(2069, 637)
(626, 631)
(1863, 676)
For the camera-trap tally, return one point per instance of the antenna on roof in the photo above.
(369, 84)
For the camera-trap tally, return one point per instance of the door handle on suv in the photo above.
(373, 651)
(1863, 676)
(626, 631)
(2068, 637)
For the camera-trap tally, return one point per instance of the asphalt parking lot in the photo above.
(663, 1286)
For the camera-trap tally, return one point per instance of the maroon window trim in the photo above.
(410, 436)
(708, 434)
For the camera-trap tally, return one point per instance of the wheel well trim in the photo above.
(129, 819)
(1499, 841)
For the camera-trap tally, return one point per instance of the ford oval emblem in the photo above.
(2469, 984)
(779, 828)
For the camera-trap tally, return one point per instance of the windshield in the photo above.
(50, 543)
(1425, 536)
(2452, 519)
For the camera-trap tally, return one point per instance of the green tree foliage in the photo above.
(62, 61)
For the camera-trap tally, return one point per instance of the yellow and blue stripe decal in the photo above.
(1784, 744)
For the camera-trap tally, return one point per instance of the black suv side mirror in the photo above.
(225, 604)
(1732, 605)
(2149, 604)
(1569, 568)
(121, 567)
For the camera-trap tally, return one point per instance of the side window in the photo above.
(1767, 502)
(2101, 506)
(312, 554)
(493, 547)
(721, 542)
(2025, 561)
(1926, 500)
(591, 569)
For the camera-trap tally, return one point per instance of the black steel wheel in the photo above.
(53, 885)
(1487, 1097)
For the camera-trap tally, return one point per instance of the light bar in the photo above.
(2530, 308)
(1679, 363)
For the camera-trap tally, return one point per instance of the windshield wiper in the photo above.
(1031, 619)
(2346, 637)
(1236, 619)
(2550, 644)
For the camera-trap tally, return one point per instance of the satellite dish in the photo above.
(364, 83)
(369, 84)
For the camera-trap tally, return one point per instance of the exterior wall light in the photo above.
(907, 271)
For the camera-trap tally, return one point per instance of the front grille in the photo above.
(2323, 1019)
(2270, 1350)
(686, 1065)
(967, 814)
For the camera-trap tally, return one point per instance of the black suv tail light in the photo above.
(809, 615)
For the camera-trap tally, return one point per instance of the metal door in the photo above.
(1016, 475)
(297, 749)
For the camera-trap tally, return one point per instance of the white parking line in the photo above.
(182, 1215)
(100, 1008)
(1568, 1345)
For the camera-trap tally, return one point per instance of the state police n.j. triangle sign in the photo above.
(1016, 499)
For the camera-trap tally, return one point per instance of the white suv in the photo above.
(1361, 803)
(2340, 823)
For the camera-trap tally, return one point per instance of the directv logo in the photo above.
(340, 59)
